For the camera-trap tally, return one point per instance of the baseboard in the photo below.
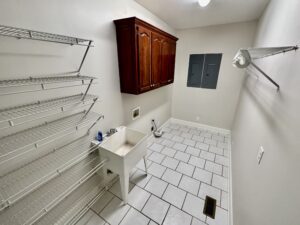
(230, 203)
(199, 125)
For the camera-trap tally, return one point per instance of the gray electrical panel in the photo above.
(204, 70)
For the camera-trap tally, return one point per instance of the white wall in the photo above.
(91, 19)
(213, 107)
(268, 193)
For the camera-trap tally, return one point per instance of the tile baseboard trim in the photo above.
(230, 203)
(199, 125)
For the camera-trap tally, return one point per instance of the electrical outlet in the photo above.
(260, 154)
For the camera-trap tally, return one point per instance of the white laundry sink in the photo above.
(124, 149)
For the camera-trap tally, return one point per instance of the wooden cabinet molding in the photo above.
(146, 56)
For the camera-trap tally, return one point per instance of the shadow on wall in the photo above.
(271, 105)
(155, 104)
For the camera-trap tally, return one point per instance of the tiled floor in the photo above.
(184, 166)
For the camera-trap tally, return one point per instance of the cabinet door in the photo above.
(168, 61)
(156, 62)
(144, 58)
(172, 62)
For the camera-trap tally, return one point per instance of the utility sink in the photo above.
(124, 149)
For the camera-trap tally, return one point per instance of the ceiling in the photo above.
(183, 14)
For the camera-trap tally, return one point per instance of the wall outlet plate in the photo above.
(260, 154)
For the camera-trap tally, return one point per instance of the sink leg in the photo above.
(124, 181)
(145, 163)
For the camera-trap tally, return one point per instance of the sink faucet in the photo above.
(111, 132)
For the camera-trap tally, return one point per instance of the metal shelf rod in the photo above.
(33, 186)
(21, 33)
(62, 108)
(65, 194)
(36, 145)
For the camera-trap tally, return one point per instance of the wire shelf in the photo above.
(34, 206)
(20, 143)
(19, 183)
(77, 204)
(11, 116)
(41, 36)
(43, 83)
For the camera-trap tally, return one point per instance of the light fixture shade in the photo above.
(242, 59)
(203, 3)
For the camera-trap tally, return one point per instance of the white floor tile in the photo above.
(179, 147)
(207, 190)
(170, 163)
(184, 129)
(218, 138)
(172, 177)
(140, 178)
(149, 152)
(141, 165)
(221, 160)
(202, 146)
(177, 217)
(116, 188)
(177, 138)
(207, 155)
(168, 151)
(223, 145)
(156, 209)
(186, 135)
(166, 129)
(185, 168)
(91, 218)
(194, 206)
(210, 141)
(156, 157)
(167, 135)
(224, 200)
(134, 217)
(197, 222)
(193, 151)
(194, 131)
(198, 138)
(184, 157)
(114, 211)
(175, 132)
(102, 202)
(138, 197)
(206, 134)
(167, 143)
(189, 142)
(216, 150)
(152, 223)
(221, 218)
(220, 182)
(198, 162)
(189, 184)
(156, 170)
(174, 196)
(203, 175)
(156, 147)
(156, 186)
(213, 167)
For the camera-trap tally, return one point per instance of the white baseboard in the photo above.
(230, 203)
(199, 125)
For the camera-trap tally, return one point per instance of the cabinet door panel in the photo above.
(144, 57)
(165, 68)
(156, 61)
(172, 61)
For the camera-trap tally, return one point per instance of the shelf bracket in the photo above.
(84, 56)
(265, 75)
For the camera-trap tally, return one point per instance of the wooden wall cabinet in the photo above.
(146, 56)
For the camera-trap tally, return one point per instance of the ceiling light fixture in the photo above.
(203, 3)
